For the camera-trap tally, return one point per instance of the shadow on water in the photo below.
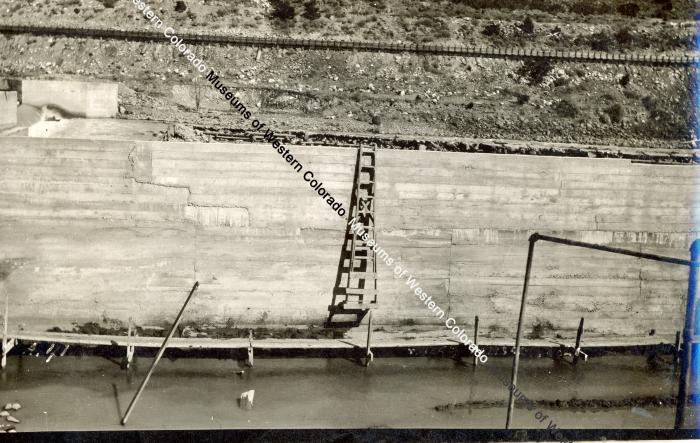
(116, 400)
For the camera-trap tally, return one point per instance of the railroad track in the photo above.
(690, 59)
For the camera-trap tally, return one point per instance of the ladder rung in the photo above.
(364, 228)
(367, 166)
(361, 257)
(361, 248)
(360, 291)
(357, 306)
(362, 274)
(364, 152)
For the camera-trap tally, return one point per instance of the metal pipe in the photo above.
(688, 334)
(159, 355)
(518, 336)
(661, 258)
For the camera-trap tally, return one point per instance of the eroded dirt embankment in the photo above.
(415, 95)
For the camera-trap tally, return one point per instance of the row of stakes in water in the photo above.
(52, 351)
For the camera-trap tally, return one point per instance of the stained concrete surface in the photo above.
(100, 129)
(8, 109)
(91, 393)
(102, 229)
(84, 99)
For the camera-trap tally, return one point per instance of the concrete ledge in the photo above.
(405, 341)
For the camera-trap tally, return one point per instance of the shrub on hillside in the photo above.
(109, 3)
(616, 113)
(535, 70)
(282, 10)
(527, 26)
(624, 36)
(311, 11)
(601, 41)
(492, 30)
(586, 7)
(628, 9)
(565, 108)
(625, 80)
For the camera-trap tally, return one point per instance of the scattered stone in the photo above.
(180, 132)
(8, 406)
(12, 430)
(188, 332)
(247, 400)
(12, 419)
(4, 413)
(16, 406)
(241, 372)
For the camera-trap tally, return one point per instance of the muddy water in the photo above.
(91, 393)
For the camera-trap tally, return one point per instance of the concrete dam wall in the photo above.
(107, 230)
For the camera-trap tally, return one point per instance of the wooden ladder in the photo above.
(356, 284)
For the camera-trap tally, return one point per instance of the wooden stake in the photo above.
(5, 341)
(369, 356)
(476, 338)
(577, 347)
(129, 345)
(250, 349)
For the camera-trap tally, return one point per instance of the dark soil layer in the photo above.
(208, 331)
(640, 402)
(378, 93)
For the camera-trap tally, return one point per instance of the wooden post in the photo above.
(676, 350)
(129, 345)
(577, 347)
(369, 356)
(250, 360)
(476, 338)
(7, 344)
(158, 355)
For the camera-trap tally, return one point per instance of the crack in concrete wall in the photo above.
(201, 213)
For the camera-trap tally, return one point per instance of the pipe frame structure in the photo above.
(689, 331)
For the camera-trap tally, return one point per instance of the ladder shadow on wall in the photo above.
(341, 315)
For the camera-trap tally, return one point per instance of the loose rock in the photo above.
(12, 419)
(16, 406)
(8, 406)
(247, 399)
(4, 413)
